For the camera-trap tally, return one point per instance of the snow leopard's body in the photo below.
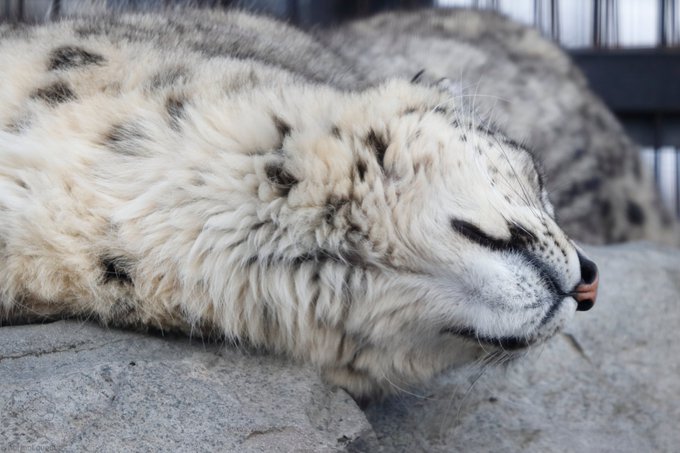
(152, 175)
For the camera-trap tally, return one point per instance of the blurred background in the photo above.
(628, 49)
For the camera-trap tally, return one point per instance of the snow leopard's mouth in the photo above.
(505, 343)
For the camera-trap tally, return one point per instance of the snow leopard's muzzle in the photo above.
(585, 292)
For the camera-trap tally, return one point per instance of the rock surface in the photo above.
(69, 386)
(610, 382)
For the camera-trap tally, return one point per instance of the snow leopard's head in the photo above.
(436, 233)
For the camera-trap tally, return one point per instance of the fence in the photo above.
(630, 52)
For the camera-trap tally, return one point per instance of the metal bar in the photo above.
(537, 9)
(605, 23)
(672, 23)
(662, 23)
(677, 183)
(657, 149)
(292, 11)
(615, 24)
(555, 6)
(55, 10)
(596, 23)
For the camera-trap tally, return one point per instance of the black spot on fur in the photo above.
(280, 178)
(409, 111)
(361, 169)
(379, 146)
(168, 77)
(88, 30)
(57, 93)
(125, 139)
(512, 143)
(198, 181)
(463, 138)
(485, 130)
(115, 270)
(258, 225)
(175, 109)
(67, 57)
(322, 257)
(335, 131)
(417, 76)
(334, 206)
(634, 213)
(441, 110)
(281, 126)
(19, 124)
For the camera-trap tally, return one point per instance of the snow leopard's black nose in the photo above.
(586, 291)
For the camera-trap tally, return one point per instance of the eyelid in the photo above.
(475, 234)
(520, 237)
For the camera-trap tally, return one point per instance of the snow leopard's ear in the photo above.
(444, 84)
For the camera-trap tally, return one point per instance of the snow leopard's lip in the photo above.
(505, 343)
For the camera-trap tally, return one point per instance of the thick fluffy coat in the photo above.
(383, 234)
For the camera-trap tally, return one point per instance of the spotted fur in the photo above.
(165, 180)
(70, 57)
(55, 93)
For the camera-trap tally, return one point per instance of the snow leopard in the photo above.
(537, 95)
(221, 180)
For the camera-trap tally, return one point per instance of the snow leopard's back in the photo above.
(211, 33)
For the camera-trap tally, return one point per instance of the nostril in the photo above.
(588, 270)
(584, 305)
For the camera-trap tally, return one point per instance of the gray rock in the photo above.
(609, 383)
(71, 386)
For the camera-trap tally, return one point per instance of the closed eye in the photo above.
(474, 234)
(519, 239)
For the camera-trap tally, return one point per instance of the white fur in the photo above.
(362, 288)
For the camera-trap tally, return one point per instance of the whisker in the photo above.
(403, 390)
